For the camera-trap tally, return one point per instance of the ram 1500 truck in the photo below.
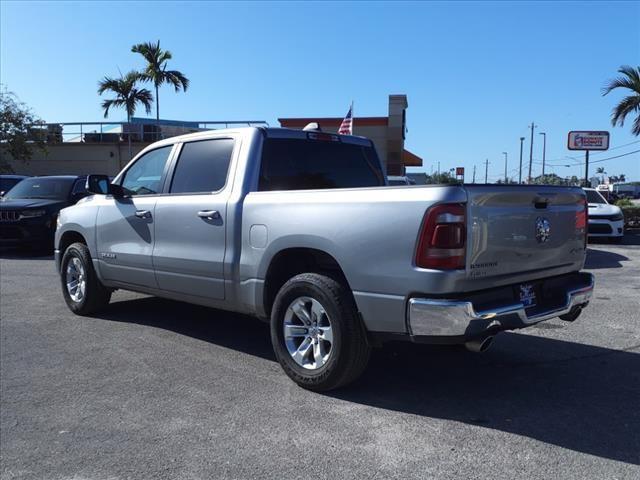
(299, 228)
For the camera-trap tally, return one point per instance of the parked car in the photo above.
(298, 228)
(28, 211)
(400, 180)
(7, 182)
(605, 220)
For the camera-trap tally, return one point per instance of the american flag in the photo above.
(346, 127)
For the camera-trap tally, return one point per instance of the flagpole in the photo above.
(352, 117)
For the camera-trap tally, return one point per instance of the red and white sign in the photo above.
(459, 170)
(588, 141)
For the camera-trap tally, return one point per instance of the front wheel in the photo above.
(81, 288)
(316, 333)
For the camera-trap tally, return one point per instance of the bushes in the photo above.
(631, 216)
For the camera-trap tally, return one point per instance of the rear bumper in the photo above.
(461, 319)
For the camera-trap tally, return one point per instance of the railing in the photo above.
(125, 132)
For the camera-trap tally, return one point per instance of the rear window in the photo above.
(299, 164)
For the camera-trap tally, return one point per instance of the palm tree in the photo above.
(156, 69)
(127, 94)
(630, 80)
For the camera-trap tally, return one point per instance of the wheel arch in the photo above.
(290, 262)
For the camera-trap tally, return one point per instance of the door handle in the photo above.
(143, 214)
(209, 214)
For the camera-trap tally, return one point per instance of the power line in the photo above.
(604, 159)
(560, 159)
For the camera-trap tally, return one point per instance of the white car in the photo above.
(605, 220)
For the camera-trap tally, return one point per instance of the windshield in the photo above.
(295, 164)
(594, 197)
(47, 188)
(7, 184)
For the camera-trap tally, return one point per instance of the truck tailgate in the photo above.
(516, 229)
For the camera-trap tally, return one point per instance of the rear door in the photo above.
(190, 244)
(516, 229)
(125, 229)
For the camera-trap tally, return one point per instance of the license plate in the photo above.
(527, 295)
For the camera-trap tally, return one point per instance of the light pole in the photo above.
(505, 166)
(486, 170)
(531, 152)
(520, 174)
(544, 151)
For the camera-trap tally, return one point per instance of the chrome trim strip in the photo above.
(436, 317)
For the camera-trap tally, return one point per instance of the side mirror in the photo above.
(101, 185)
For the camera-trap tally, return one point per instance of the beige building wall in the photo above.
(75, 159)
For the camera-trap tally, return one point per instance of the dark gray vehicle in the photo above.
(299, 228)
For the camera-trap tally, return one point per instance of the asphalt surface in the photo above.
(159, 389)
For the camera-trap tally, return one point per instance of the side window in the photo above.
(143, 177)
(79, 187)
(202, 166)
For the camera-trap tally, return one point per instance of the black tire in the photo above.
(350, 349)
(96, 295)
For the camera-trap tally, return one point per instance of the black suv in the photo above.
(28, 211)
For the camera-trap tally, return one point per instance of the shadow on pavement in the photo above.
(10, 253)
(603, 259)
(580, 397)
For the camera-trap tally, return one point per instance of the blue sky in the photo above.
(476, 74)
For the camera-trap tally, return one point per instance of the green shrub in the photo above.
(624, 202)
(631, 215)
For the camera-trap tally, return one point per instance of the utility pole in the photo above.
(486, 170)
(544, 150)
(474, 175)
(586, 168)
(531, 152)
(520, 174)
(505, 166)
(438, 172)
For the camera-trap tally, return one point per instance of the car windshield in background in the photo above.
(594, 197)
(7, 184)
(295, 164)
(46, 188)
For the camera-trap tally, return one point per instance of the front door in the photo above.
(125, 232)
(189, 251)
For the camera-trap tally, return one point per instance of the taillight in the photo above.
(441, 244)
(581, 214)
(582, 218)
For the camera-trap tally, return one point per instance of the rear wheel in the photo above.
(316, 333)
(81, 289)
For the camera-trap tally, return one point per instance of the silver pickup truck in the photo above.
(299, 228)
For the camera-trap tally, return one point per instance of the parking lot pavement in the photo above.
(158, 389)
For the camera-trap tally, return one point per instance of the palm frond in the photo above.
(626, 106)
(630, 79)
(177, 79)
(636, 126)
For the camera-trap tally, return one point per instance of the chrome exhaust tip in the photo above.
(479, 345)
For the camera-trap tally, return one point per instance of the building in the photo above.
(387, 134)
(101, 147)
(106, 147)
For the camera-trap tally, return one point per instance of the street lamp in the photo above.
(544, 150)
(505, 166)
(520, 174)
